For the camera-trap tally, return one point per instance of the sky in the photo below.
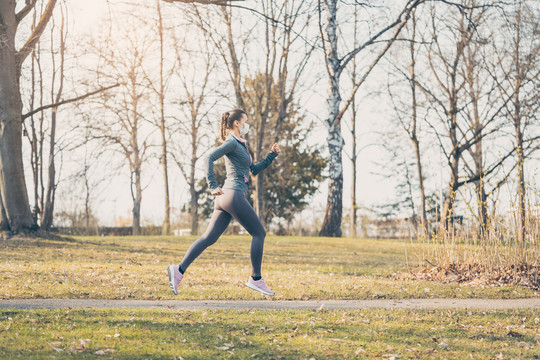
(372, 189)
(87, 17)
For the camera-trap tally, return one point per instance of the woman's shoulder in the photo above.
(228, 145)
(230, 141)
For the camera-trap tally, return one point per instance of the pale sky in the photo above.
(86, 16)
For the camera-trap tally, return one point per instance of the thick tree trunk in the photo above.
(334, 206)
(13, 193)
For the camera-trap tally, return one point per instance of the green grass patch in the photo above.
(269, 334)
(295, 268)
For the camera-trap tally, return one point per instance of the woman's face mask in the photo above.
(244, 130)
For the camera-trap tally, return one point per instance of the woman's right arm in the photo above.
(215, 154)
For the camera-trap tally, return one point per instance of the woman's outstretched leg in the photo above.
(218, 223)
(244, 213)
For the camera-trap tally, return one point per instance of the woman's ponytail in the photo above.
(223, 126)
(227, 120)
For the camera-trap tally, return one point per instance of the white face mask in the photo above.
(245, 129)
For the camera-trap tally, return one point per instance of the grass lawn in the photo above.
(297, 268)
(269, 334)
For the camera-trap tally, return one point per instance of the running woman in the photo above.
(231, 199)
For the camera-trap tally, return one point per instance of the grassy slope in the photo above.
(295, 267)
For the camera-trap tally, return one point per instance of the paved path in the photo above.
(533, 303)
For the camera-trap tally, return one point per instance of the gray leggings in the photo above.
(232, 203)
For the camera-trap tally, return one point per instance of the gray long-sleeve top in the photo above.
(238, 163)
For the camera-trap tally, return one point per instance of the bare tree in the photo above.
(48, 209)
(453, 82)
(127, 109)
(15, 214)
(160, 90)
(411, 123)
(196, 86)
(517, 74)
(335, 64)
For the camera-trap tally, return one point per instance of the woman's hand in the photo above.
(275, 148)
(217, 191)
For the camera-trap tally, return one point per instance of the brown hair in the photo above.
(227, 120)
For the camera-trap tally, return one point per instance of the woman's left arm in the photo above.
(264, 163)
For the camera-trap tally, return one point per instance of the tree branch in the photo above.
(25, 11)
(63, 102)
(402, 18)
(36, 34)
(208, 2)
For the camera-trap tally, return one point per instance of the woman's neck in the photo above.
(236, 133)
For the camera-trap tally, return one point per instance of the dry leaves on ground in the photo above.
(477, 275)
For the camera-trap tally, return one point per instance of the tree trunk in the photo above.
(137, 204)
(48, 211)
(166, 228)
(353, 160)
(237, 78)
(332, 218)
(521, 230)
(4, 224)
(518, 83)
(194, 208)
(414, 135)
(334, 206)
(258, 199)
(13, 193)
(448, 206)
(481, 195)
(423, 216)
(46, 221)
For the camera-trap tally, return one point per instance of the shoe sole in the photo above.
(251, 286)
(171, 279)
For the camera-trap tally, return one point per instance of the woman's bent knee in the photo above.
(261, 234)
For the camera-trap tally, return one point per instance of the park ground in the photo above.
(297, 268)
